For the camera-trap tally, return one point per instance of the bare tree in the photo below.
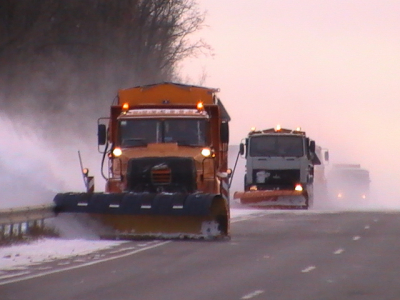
(59, 56)
(164, 30)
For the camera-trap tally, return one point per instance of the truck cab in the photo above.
(167, 124)
(279, 159)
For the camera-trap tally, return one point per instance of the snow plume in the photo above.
(33, 168)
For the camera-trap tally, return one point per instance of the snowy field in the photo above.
(51, 249)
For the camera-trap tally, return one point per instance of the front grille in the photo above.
(285, 179)
(161, 176)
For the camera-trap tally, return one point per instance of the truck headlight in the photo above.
(206, 152)
(298, 188)
(117, 152)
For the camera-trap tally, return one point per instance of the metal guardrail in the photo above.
(16, 222)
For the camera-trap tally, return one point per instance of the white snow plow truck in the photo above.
(279, 169)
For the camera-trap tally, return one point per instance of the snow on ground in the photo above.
(49, 249)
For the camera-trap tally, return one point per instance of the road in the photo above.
(280, 255)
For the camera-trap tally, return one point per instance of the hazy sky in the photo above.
(331, 67)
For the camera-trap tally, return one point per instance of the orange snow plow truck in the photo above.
(279, 169)
(167, 148)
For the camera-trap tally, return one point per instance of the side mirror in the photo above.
(312, 146)
(224, 134)
(101, 134)
(241, 148)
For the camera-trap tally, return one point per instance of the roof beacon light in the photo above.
(278, 127)
(298, 128)
(252, 129)
(125, 106)
(200, 105)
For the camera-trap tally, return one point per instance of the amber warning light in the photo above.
(125, 106)
(200, 106)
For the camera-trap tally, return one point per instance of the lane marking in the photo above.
(122, 250)
(84, 264)
(14, 275)
(339, 251)
(308, 269)
(356, 238)
(252, 294)
(43, 268)
(366, 227)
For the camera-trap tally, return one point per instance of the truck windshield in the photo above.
(276, 146)
(185, 132)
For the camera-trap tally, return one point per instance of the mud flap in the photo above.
(149, 215)
(274, 199)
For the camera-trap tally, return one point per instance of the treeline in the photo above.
(70, 56)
